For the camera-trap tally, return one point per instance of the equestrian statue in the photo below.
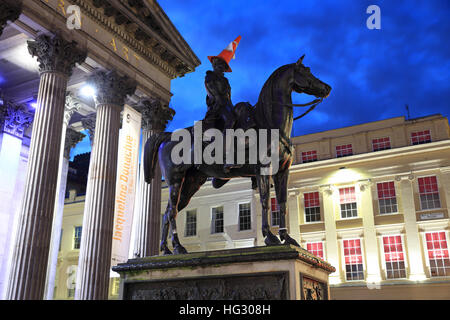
(273, 111)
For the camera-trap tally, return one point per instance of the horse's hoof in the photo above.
(165, 250)
(179, 249)
(288, 240)
(271, 240)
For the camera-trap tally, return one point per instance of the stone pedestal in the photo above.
(280, 272)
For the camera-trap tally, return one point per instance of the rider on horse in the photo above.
(218, 97)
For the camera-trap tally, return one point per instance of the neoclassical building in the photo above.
(66, 67)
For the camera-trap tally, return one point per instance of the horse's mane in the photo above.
(263, 108)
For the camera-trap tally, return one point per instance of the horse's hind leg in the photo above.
(264, 192)
(280, 180)
(165, 231)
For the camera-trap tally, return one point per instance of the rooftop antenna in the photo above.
(407, 110)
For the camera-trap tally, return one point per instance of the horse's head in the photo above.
(305, 82)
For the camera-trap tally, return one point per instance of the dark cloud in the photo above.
(374, 73)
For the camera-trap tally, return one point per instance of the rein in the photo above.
(312, 105)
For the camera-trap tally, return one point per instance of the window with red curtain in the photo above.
(386, 197)
(381, 144)
(419, 137)
(429, 193)
(438, 256)
(394, 257)
(344, 150)
(347, 198)
(316, 248)
(354, 269)
(309, 156)
(312, 206)
(275, 210)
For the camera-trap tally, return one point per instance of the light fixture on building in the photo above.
(87, 91)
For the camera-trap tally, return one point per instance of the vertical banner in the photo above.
(127, 170)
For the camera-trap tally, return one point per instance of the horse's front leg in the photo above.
(175, 191)
(164, 232)
(280, 180)
(264, 192)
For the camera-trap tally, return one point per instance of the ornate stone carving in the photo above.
(72, 139)
(72, 105)
(16, 119)
(111, 88)
(9, 11)
(155, 115)
(88, 123)
(55, 54)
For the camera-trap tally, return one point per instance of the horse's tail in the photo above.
(151, 154)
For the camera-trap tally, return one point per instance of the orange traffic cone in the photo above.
(228, 53)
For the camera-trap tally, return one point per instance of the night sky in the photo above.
(373, 73)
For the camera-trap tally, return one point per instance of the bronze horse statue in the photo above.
(274, 110)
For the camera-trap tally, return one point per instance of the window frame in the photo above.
(419, 194)
(383, 255)
(74, 238)
(423, 130)
(213, 225)
(389, 141)
(308, 151)
(187, 223)
(378, 198)
(323, 248)
(361, 244)
(304, 207)
(239, 215)
(356, 202)
(271, 213)
(342, 145)
(425, 246)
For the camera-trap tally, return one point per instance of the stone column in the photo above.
(331, 243)
(370, 234)
(70, 138)
(10, 10)
(294, 215)
(96, 239)
(16, 120)
(56, 58)
(88, 123)
(412, 237)
(155, 117)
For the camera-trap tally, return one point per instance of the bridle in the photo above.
(312, 105)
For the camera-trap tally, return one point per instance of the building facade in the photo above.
(372, 199)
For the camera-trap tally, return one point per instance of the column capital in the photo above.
(9, 11)
(72, 139)
(111, 88)
(155, 115)
(55, 54)
(70, 107)
(16, 119)
(88, 123)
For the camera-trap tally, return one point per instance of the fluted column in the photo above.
(56, 58)
(71, 139)
(10, 10)
(155, 117)
(96, 239)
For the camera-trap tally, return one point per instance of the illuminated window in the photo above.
(312, 207)
(309, 156)
(191, 223)
(77, 237)
(348, 202)
(429, 193)
(344, 150)
(394, 257)
(419, 137)
(217, 220)
(354, 269)
(381, 144)
(316, 248)
(275, 210)
(245, 217)
(386, 197)
(438, 254)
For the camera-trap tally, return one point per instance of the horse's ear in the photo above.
(300, 61)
